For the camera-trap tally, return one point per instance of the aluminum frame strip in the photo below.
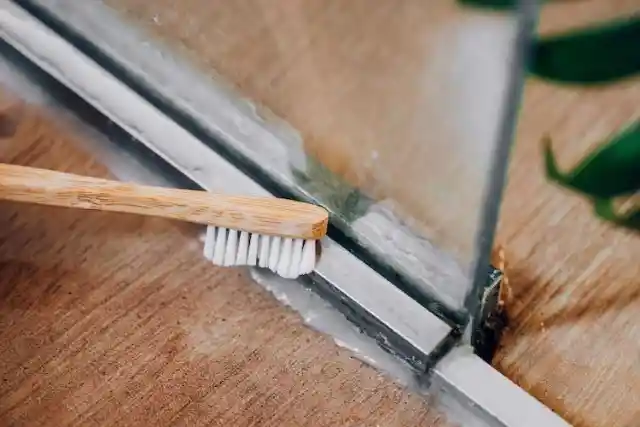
(500, 402)
(389, 315)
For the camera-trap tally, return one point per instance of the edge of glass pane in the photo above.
(527, 19)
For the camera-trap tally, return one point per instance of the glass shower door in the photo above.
(393, 116)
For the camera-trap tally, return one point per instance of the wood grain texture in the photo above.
(345, 75)
(270, 216)
(574, 338)
(114, 319)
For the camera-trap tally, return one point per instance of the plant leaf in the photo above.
(590, 55)
(609, 171)
(604, 208)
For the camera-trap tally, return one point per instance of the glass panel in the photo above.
(388, 115)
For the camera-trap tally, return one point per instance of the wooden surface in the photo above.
(574, 339)
(346, 75)
(111, 319)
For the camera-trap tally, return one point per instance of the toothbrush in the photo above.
(277, 234)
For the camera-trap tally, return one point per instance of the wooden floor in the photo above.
(345, 74)
(110, 319)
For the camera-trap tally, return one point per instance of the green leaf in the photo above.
(604, 208)
(609, 171)
(591, 55)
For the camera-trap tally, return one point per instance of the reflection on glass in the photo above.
(397, 105)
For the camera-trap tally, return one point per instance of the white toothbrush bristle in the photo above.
(252, 257)
(307, 264)
(209, 242)
(287, 257)
(274, 253)
(220, 246)
(231, 248)
(263, 258)
(243, 248)
(296, 257)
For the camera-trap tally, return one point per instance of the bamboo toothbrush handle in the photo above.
(272, 216)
